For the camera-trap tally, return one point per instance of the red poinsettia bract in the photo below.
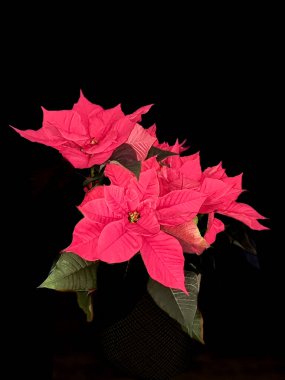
(128, 218)
(86, 135)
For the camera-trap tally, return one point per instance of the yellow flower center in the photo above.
(93, 141)
(134, 216)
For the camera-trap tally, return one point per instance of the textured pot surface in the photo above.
(147, 343)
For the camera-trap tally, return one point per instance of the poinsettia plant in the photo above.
(142, 197)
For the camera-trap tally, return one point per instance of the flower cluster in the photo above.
(142, 197)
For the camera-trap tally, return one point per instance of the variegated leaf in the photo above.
(180, 306)
(72, 273)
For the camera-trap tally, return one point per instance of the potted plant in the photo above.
(148, 214)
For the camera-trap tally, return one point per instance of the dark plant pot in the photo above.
(137, 337)
(147, 344)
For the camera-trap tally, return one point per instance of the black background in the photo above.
(216, 85)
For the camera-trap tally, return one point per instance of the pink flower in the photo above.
(86, 135)
(180, 173)
(222, 191)
(129, 219)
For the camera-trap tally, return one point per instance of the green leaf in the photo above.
(124, 153)
(127, 157)
(238, 235)
(91, 179)
(84, 300)
(198, 330)
(72, 273)
(159, 153)
(180, 306)
(134, 167)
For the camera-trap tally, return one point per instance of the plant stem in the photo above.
(92, 171)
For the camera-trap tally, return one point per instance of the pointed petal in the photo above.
(98, 211)
(82, 160)
(115, 199)
(176, 162)
(132, 197)
(50, 138)
(141, 141)
(152, 130)
(116, 244)
(98, 158)
(150, 163)
(85, 239)
(136, 116)
(68, 123)
(216, 172)
(236, 181)
(179, 147)
(246, 214)
(170, 180)
(164, 260)
(113, 114)
(219, 194)
(95, 193)
(189, 237)
(76, 157)
(191, 157)
(84, 107)
(179, 206)
(192, 168)
(118, 175)
(148, 186)
(97, 128)
(122, 127)
(214, 227)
